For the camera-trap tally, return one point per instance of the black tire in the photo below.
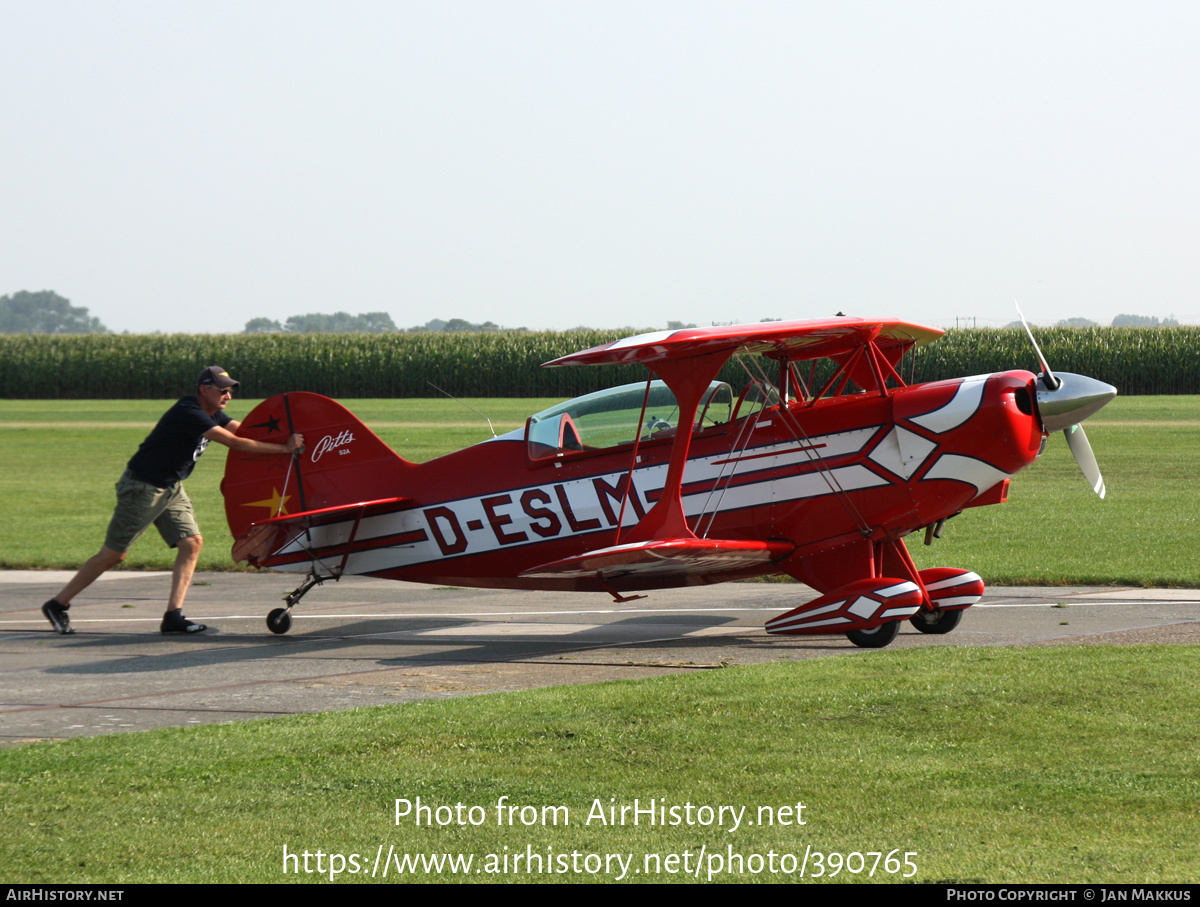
(936, 622)
(279, 621)
(876, 637)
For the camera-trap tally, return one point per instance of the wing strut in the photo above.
(688, 379)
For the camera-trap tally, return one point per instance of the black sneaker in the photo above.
(175, 622)
(58, 617)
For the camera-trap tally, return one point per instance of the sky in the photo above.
(188, 166)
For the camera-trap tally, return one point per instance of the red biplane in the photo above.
(818, 467)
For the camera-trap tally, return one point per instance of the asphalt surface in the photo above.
(370, 642)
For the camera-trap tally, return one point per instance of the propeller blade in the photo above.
(1082, 450)
(1064, 402)
(1050, 381)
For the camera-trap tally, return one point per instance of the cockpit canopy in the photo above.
(609, 418)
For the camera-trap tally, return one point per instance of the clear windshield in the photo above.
(609, 418)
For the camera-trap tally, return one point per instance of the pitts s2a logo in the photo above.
(329, 442)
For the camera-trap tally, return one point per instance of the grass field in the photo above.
(61, 459)
(997, 765)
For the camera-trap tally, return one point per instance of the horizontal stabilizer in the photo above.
(661, 558)
(861, 605)
(266, 537)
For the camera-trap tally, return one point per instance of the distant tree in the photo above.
(459, 325)
(678, 326)
(377, 323)
(340, 323)
(1135, 321)
(1077, 323)
(45, 313)
(262, 326)
(305, 324)
(1143, 321)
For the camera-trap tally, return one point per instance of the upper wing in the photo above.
(794, 340)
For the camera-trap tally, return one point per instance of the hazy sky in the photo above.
(188, 166)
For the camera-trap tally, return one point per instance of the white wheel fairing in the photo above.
(858, 606)
(951, 588)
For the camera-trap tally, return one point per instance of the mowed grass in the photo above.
(61, 459)
(990, 765)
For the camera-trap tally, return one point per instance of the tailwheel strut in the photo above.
(279, 621)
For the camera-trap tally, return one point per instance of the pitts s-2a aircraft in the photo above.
(818, 468)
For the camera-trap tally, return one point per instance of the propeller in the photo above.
(1064, 401)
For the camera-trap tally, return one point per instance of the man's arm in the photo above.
(250, 446)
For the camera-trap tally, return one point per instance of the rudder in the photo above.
(343, 462)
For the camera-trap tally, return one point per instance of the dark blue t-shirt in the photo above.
(170, 452)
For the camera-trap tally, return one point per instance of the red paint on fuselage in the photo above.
(542, 511)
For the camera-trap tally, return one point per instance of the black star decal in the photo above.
(271, 425)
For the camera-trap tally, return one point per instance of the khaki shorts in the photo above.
(140, 504)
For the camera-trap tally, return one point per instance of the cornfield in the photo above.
(40, 366)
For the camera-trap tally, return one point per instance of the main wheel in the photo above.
(279, 621)
(876, 637)
(936, 621)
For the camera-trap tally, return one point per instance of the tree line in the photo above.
(365, 323)
(46, 312)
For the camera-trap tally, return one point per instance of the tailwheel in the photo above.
(279, 621)
(876, 637)
(936, 622)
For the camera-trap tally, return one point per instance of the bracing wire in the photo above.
(797, 431)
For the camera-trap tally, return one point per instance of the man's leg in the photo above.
(181, 578)
(56, 608)
(186, 558)
(91, 570)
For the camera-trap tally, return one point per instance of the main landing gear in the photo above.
(876, 637)
(936, 622)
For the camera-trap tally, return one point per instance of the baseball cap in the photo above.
(217, 376)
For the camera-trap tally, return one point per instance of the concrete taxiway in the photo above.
(370, 642)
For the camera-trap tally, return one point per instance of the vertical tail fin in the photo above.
(343, 462)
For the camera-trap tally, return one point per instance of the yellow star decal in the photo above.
(277, 504)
